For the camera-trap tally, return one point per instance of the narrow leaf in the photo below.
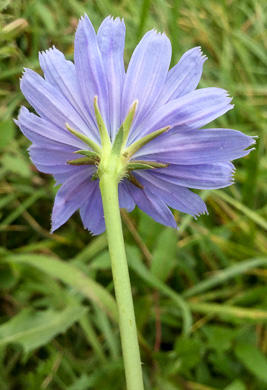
(32, 329)
(236, 385)
(224, 275)
(72, 276)
(138, 267)
(232, 312)
(258, 219)
(253, 359)
(164, 254)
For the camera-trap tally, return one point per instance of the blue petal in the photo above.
(184, 77)
(92, 213)
(151, 204)
(62, 175)
(191, 111)
(90, 69)
(202, 176)
(62, 75)
(146, 74)
(204, 146)
(50, 104)
(70, 197)
(110, 38)
(53, 158)
(40, 131)
(177, 197)
(125, 199)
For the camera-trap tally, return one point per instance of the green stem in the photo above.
(130, 348)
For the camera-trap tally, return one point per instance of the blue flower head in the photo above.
(149, 115)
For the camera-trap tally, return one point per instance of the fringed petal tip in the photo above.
(114, 19)
(95, 232)
(108, 18)
(53, 227)
(250, 140)
(196, 216)
(154, 33)
(225, 93)
(23, 112)
(56, 222)
(50, 54)
(198, 54)
(253, 141)
(25, 73)
(83, 20)
(203, 57)
(47, 51)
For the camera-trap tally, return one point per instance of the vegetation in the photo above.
(200, 293)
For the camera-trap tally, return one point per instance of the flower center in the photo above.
(116, 158)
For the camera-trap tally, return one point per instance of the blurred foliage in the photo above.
(200, 293)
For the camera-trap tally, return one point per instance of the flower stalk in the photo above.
(130, 348)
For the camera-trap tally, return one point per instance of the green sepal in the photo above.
(105, 141)
(116, 147)
(132, 149)
(134, 180)
(85, 139)
(95, 176)
(83, 161)
(88, 153)
(128, 121)
(134, 165)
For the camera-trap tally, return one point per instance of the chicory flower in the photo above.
(154, 115)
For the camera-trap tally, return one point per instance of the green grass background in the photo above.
(200, 293)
